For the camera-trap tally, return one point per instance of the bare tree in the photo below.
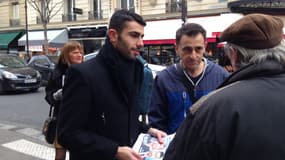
(46, 9)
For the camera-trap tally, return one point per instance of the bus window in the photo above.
(160, 54)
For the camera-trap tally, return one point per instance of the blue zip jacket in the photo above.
(170, 100)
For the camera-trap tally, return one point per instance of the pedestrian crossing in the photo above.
(27, 147)
(31, 132)
(31, 149)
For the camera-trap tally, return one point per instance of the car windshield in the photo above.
(12, 61)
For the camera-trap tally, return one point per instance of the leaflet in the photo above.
(149, 147)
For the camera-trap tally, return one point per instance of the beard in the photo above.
(122, 46)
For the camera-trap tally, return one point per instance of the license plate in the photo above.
(30, 80)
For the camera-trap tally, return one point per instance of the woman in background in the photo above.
(71, 53)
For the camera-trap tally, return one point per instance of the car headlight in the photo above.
(9, 75)
(38, 74)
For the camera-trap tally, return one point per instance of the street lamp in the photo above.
(27, 31)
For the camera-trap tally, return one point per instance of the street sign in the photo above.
(77, 10)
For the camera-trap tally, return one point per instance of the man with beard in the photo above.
(99, 115)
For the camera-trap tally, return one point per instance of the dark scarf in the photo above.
(127, 73)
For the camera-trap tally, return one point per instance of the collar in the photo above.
(267, 68)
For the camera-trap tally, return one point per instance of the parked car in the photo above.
(156, 68)
(16, 75)
(44, 65)
(90, 55)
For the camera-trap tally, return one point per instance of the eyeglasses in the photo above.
(198, 49)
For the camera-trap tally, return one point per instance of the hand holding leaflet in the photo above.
(149, 148)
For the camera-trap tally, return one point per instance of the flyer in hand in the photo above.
(149, 147)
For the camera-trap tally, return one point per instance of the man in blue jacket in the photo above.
(179, 86)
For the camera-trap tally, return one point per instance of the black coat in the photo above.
(99, 111)
(54, 84)
(243, 120)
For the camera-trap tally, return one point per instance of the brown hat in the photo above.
(255, 31)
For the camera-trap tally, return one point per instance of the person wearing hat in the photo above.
(244, 118)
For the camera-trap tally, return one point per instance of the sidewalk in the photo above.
(23, 143)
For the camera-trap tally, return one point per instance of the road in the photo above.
(28, 109)
(21, 119)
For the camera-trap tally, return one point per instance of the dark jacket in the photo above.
(244, 119)
(99, 111)
(54, 84)
(171, 99)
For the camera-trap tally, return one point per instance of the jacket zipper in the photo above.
(103, 118)
(202, 76)
(184, 96)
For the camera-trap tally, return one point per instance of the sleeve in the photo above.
(177, 147)
(73, 120)
(158, 106)
(52, 86)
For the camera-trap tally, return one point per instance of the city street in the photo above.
(26, 108)
(21, 119)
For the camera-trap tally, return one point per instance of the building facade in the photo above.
(86, 21)
(80, 12)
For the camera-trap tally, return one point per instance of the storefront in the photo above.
(92, 37)
(159, 37)
(55, 38)
(8, 41)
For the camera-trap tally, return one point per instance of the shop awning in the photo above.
(56, 38)
(163, 31)
(7, 38)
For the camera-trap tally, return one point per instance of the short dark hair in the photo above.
(190, 29)
(121, 16)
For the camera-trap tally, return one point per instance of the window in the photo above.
(97, 10)
(15, 10)
(41, 16)
(174, 6)
(70, 6)
(160, 54)
(69, 11)
(126, 4)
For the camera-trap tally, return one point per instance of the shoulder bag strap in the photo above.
(51, 111)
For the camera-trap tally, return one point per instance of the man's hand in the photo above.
(157, 133)
(127, 153)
